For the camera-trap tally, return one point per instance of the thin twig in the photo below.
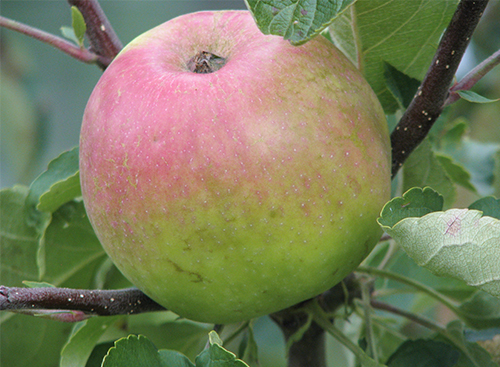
(429, 100)
(473, 77)
(93, 302)
(421, 320)
(102, 37)
(63, 45)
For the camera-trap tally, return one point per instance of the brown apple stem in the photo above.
(92, 302)
(63, 45)
(429, 100)
(102, 37)
(205, 62)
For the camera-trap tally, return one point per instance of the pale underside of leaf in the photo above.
(458, 243)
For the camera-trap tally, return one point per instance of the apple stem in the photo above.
(205, 62)
(429, 101)
(93, 302)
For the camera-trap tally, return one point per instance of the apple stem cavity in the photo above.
(205, 62)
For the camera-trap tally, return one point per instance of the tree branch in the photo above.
(93, 302)
(309, 349)
(102, 37)
(428, 102)
(473, 77)
(67, 47)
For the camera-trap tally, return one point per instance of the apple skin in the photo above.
(233, 194)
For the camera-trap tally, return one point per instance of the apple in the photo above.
(229, 174)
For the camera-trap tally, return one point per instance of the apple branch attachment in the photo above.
(84, 303)
(102, 37)
(430, 98)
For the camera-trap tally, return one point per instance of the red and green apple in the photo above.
(229, 174)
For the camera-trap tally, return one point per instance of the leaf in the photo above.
(481, 311)
(216, 356)
(474, 97)
(82, 341)
(38, 284)
(424, 353)
(458, 243)
(138, 351)
(402, 87)
(248, 348)
(78, 24)
(402, 33)
(416, 202)
(479, 159)
(69, 33)
(456, 171)
(488, 205)
(185, 336)
(69, 250)
(59, 184)
(496, 173)
(423, 168)
(295, 20)
(471, 354)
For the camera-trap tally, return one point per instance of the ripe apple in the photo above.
(229, 174)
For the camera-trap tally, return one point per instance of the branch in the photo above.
(93, 302)
(67, 47)
(102, 37)
(428, 103)
(307, 346)
(473, 77)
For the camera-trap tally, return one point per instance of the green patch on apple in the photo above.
(230, 174)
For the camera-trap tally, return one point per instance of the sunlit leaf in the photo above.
(458, 243)
(423, 169)
(78, 24)
(402, 33)
(295, 20)
(471, 96)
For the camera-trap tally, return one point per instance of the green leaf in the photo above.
(456, 171)
(69, 33)
(479, 159)
(423, 168)
(458, 243)
(84, 338)
(69, 250)
(424, 353)
(471, 354)
(138, 351)
(59, 184)
(78, 24)
(295, 20)
(474, 97)
(185, 336)
(496, 173)
(454, 134)
(38, 284)
(403, 33)
(488, 205)
(248, 348)
(402, 87)
(416, 202)
(481, 311)
(18, 240)
(217, 356)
